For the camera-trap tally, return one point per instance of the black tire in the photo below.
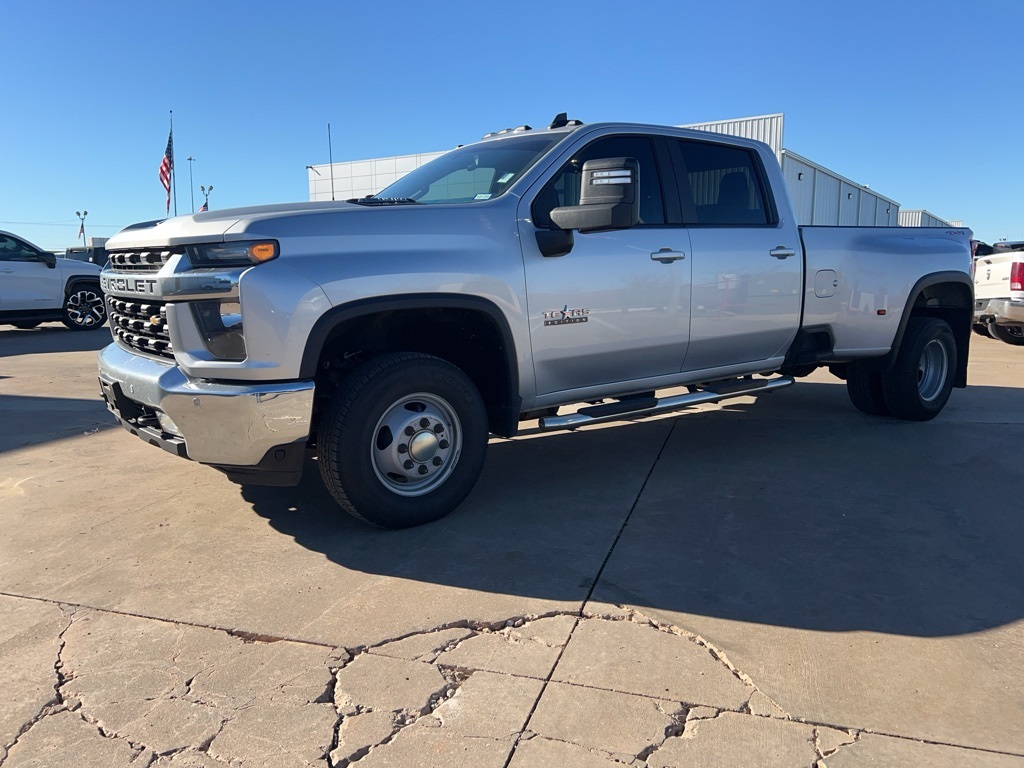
(84, 307)
(865, 390)
(981, 329)
(1011, 334)
(27, 326)
(400, 483)
(920, 382)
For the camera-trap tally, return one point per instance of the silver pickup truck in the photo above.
(592, 266)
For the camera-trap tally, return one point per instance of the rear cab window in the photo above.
(721, 185)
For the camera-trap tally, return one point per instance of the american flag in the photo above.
(204, 207)
(166, 166)
(81, 230)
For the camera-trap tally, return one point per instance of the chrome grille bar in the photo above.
(139, 261)
(141, 326)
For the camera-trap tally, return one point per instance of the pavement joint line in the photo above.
(590, 593)
(237, 633)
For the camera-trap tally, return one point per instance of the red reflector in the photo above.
(880, 312)
(1017, 276)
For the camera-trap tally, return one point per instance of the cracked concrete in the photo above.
(647, 604)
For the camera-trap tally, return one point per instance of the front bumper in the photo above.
(227, 425)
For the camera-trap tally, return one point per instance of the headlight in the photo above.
(236, 254)
(220, 323)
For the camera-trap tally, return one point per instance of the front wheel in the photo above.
(403, 440)
(921, 379)
(84, 309)
(1011, 334)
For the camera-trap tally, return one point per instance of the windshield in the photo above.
(468, 174)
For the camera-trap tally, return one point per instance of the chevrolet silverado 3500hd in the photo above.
(531, 270)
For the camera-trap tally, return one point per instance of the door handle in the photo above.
(782, 252)
(667, 256)
(7, 271)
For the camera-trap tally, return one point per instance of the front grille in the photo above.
(141, 325)
(139, 261)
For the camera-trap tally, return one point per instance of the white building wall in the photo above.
(921, 218)
(359, 178)
(835, 200)
(801, 183)
(766, 128)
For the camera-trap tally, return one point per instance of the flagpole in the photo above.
(174, 182)
(330, 158)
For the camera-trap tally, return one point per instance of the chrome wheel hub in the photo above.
(416, 444)
(932, 370)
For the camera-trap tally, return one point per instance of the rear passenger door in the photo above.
(747, 266)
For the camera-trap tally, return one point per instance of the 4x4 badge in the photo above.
(566, 316)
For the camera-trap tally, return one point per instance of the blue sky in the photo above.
(921, 101)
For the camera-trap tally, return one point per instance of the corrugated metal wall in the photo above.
(766, 128)
(921, 219)
(823, 197)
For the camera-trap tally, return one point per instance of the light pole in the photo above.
(312, 185)
(206, 195)
(81, 229)
(191, 189)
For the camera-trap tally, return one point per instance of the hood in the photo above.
(212, 225)
(312, 221)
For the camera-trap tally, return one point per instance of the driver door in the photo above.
(608, 311)
(26, 281)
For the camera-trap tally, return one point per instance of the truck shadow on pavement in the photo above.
(799, 512)
(49, 338)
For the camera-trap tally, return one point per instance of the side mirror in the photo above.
(50, 260)
(608, 197)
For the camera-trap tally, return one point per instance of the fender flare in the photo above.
(962, 335)
(343, 313)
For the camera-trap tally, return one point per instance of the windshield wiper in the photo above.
(383, 201)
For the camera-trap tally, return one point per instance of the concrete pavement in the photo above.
(786, 583)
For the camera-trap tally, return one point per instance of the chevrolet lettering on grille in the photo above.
(134, 285)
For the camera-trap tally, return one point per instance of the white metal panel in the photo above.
(826, 198)
(921, 218)
(868, 206)
(910, 218)
(886, 214)
(800, 183)
(849, 204)
(766, 128)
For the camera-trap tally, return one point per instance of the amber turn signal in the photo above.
(262, 251)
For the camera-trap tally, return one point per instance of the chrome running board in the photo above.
(648, 406)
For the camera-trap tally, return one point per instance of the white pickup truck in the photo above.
(999, 293)
(36, 286)
(508, 279)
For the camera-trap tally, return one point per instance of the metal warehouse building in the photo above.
(820, 196)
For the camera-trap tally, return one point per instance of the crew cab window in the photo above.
(564, 188)
(15, 250)
(724, 184)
